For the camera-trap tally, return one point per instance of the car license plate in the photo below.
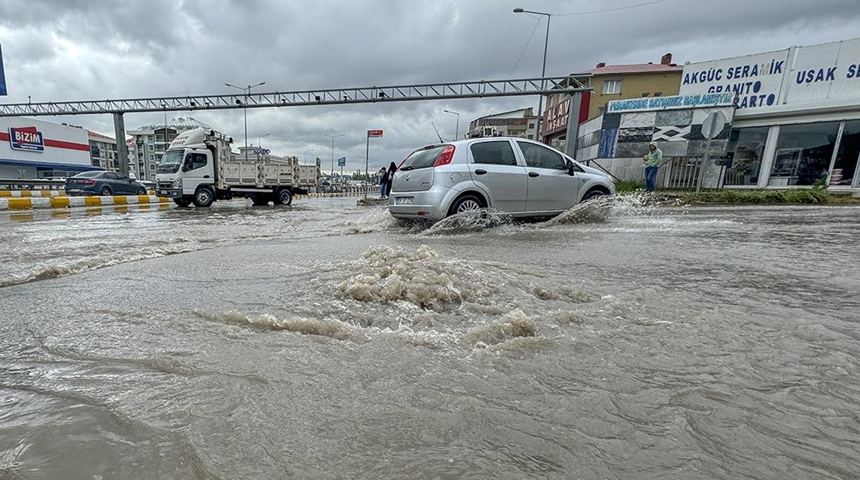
(404, 200)
(163, 192)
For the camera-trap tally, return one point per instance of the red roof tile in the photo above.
(631, 69)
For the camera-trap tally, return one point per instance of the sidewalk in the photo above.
(33, 203)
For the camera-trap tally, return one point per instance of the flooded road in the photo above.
(617, 341)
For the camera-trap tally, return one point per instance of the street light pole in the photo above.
(457, 130)
(543, 69)
(260, 140)
(306, 155)
(247, 91)
(332, 137)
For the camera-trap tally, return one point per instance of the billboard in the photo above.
(755, 79)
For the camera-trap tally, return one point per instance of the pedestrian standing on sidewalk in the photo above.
(652, 160)
(383, 181)
(390, 175)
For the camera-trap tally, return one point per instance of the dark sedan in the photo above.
(103, 183)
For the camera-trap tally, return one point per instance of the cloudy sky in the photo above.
(58, 50)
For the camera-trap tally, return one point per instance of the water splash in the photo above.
(390, 274)
(470, 221)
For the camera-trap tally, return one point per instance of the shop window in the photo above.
(746, 147)
(803, 153)
(845, 168)
(611, 87)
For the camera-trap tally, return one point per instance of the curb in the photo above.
(24, 203)
(37, 193)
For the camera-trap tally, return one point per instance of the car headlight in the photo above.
(177, 183)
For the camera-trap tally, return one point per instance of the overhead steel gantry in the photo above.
(336, 96)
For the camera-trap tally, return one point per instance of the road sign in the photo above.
(713, 125)
(261, 151)
(374, 133)
(341, 162)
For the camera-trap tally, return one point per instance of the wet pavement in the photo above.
(326, 340)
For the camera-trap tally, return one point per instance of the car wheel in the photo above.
(285, 197)
(593, 194)
(106, 192)
(465, 204)
(141, 191)
(182, 202)
(203, 197)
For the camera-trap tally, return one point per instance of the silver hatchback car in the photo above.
(521, 177)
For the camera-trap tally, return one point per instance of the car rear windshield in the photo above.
(88, 174)
(423, 158)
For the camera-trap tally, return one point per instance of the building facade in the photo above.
(520, 123)
(795, 121)
(33, 149)
(149, 143)
(103, 151)
(621, 82)
(798, 114)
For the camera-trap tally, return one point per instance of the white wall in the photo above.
(49, 131)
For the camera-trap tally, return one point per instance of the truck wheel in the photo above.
(182, 202)
(285, 197)
(203, 197)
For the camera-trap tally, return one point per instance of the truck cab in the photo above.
(198, 168)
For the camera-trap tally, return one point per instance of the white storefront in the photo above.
(35, 149)
(798, 114)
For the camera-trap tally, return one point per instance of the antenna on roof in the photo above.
(437, 132)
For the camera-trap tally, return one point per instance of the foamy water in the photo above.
(619, 340)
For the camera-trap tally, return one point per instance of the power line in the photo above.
(526, 46)
(617, 9)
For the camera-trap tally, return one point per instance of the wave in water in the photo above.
(80, 266)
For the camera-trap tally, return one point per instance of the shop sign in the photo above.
(825, 72)
(556, 118)
(755, 79)
(671, 102)
(26, 138)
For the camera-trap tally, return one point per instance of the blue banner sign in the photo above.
(676, 101)
(2, 74)
(341, 162)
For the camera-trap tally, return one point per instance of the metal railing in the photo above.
(682, 173)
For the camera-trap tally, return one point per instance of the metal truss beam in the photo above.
(339, 96)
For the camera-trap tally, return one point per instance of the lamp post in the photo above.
(260, 140)
(247, 91)
(306, 154)
(457, 130)
(332, 137)
(543, 69)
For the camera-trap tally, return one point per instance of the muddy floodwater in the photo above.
(327, 341)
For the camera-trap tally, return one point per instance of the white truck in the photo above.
(199, 168)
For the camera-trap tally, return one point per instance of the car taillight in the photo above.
(445, 157)
(88, 182)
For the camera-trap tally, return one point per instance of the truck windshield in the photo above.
(170, 162)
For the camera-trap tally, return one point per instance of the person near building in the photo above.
(383, 181)
(390, 176)
(652, 160)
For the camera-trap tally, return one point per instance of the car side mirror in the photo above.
(570, 170)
